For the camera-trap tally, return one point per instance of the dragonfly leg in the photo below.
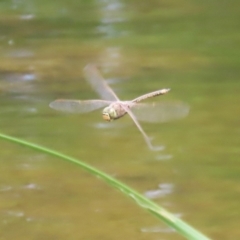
(145, 136)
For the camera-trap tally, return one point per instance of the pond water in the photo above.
(191, 47)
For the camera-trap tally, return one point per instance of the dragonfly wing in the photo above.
(160, 112)
(98, 83)
(78, 106)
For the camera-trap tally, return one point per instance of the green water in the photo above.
(191, 47)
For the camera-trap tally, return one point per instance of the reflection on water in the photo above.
(32, 186)
(157, 229)
(11, 78)
(20, 53)
(163, 190)
(110, 59)
(13, 214)
(20, 87)
(164, 157)
(5, 188)
(112, 12)
(27, 16)
(102, 125)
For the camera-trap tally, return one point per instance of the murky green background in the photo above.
(193, 47)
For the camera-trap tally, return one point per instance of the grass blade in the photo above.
(180, 226)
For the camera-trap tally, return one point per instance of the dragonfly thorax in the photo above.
(115, 111)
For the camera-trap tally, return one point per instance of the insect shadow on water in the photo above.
(115, 108)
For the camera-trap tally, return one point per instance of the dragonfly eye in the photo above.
(106, 117)
(109, 113)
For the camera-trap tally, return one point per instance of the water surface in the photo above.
(190, 46)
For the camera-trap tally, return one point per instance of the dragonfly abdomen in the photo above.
(120, 109)
(151, 94)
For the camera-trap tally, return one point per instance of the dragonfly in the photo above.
(114, 108)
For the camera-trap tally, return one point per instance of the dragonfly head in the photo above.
(109, 113)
